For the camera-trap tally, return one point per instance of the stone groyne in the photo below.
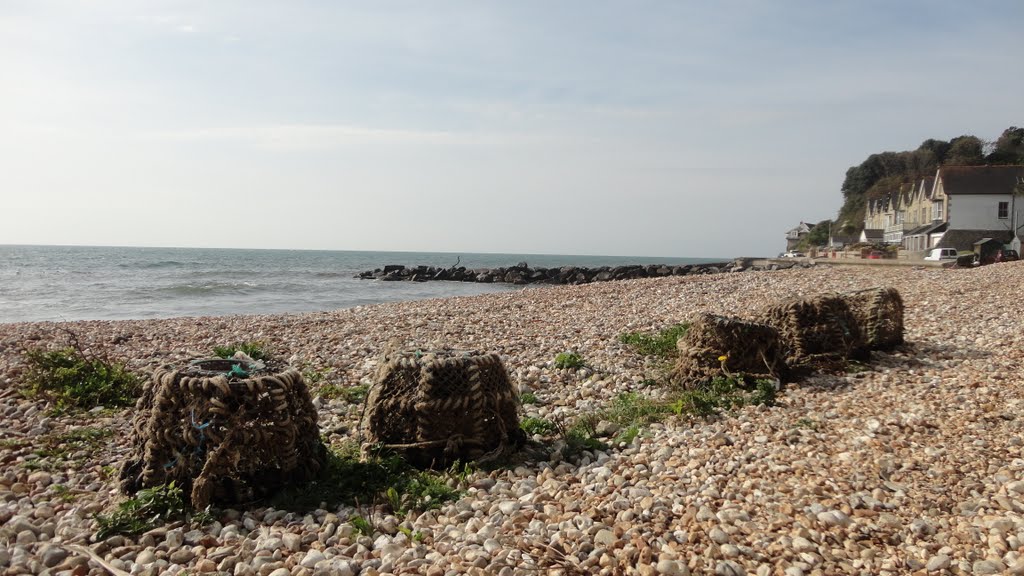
(522, 273)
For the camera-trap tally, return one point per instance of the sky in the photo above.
(647, 128)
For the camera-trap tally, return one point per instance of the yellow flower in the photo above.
(723, 358)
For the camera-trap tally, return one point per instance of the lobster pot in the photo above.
(817, 334)
(719, 346)
(224, 432)
(435, 408)
(879, 316)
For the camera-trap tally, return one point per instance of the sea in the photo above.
(67, 283)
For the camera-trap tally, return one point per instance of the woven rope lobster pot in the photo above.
(879, 315)
(222, 433)
(817, 334)
(718, 346)
(435, 408)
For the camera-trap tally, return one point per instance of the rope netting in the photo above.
(224, 431)
(719, 346)
(442, 406)
(879, 314)
(817, 333)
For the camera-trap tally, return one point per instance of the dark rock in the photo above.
(393, 268)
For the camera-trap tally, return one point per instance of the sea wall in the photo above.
(522, 273)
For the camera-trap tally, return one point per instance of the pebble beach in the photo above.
(912, 465)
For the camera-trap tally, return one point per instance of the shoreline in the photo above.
(904, 459)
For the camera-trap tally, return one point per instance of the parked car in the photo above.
(793, 254)
(941, 254)
(876, 255)
(1007, 256)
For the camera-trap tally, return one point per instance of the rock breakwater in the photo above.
(522, 273)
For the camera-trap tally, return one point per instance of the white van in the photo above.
(937, 254)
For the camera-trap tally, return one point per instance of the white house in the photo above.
(979, 202)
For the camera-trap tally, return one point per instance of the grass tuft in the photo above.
(254, 350)
(346, 479)
(630, 412)
(532, 425)
(662, 344)
(350, 394)
(569, 360)
(149, 508)
(72, 380)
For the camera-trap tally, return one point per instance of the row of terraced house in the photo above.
(960, 207)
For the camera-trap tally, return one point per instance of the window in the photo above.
(1004, 210)
(937, 211)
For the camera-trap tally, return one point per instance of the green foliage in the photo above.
(627, 436)
(150, 508)
(361, 525)
(805, 423)
(346, 479)
(312, 375)
(60, 449)
(569, 360)
(965, 151)
(532, 425)
(661, 344)
(1008, 148)
(577, 441)
(818, 236)
(527, 398)
(254, 350)
(725, 394)
(415, 536)
(73, 380)
(630, 412)
(350, 394)
(632, 409)
(63, 492)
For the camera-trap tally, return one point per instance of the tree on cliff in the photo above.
(884, 173)
(1008, 148)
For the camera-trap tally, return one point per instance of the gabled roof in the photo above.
(927, 229)
(965, 239)
(980, 179)
(795, 233)
(926, 186)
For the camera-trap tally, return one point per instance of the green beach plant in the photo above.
(350, 394)
(347, 479)
(661, 344)
(254, 350)
(73, 379)
(569, 360)
(360, 524)
(533, 425)
(527, 398)
(149, 508)
(630, 412)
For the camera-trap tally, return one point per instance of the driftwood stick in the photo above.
(96, 558)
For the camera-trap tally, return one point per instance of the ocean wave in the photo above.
(150, 265)
(211, 289)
